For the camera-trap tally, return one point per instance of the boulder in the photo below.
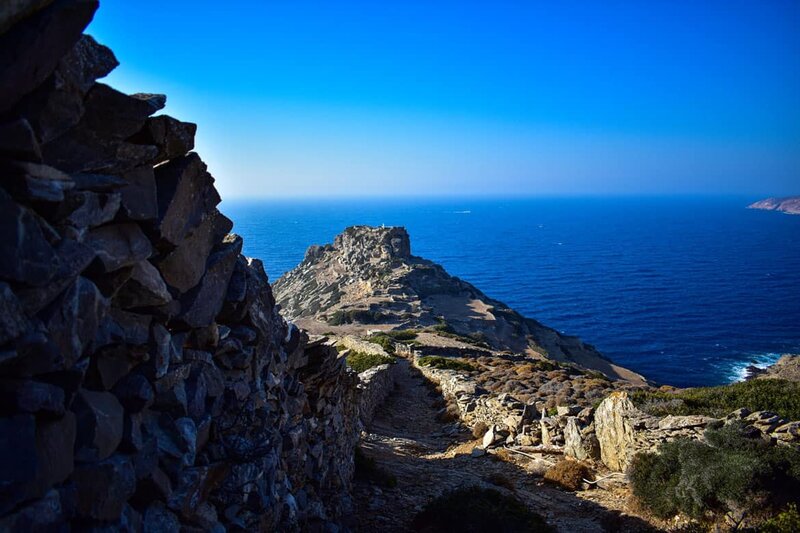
(18, 464)
(87, 209)
(45, 514)
(172, 137)
(111, 114)
(139, 194)
(144, 288)
(185, 197)
(26, 256)
(614, 430)
(118, 245)
(100, 426)
(18, 141)
(26, 396)
(200, 306)
(97, 182)
(183, 267)
(104, 487)
(13, 321)
(33, 182)
(73, 318)
(31, 50)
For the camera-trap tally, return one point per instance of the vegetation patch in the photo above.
(443, 329)
(445, 363)
(355, 316)
(568, 474)
(361, 361)
(366, 469)
(776, 395)
(475, 509)
(731, 475)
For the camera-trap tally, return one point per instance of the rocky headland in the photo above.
(150, 381)
(789, 205)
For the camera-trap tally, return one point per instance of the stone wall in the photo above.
(147, 379)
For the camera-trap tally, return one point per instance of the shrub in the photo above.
(731, 473)
(475, 509)
(361, 361)
(479, 429)
(777, 395)
(568, 474)
(366, 469)
(384, 342)
(787, 521)
(445, 363)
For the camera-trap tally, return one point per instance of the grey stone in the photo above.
(31, 50)
(34, 182)
(44, 514)
(18, 463)
(145, 288)
(87, 209)
(172, 137)
(13, 321)
(183, 267)
(124, 327)
(26, 255)
(26, 396)
(100, 425)
(111, 114)
(18, 141)
(134, 392)
(119, 245)
(73, 318)
(185, 197)
(158, 518)
(139, 194)
(97, 182)
(200, 306)
(104, 487)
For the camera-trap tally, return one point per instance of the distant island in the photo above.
(789, 205)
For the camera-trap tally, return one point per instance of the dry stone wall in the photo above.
(147, 379)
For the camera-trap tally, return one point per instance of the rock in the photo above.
(789, 432)
(572, 410)
(86, 209)
(124, 327)
(55, 441)
(614, 430)
(45, 514)
(26, 396)
(119, 245)
(73, 258)
(18, 464)
(34, 182)
(134, 392)
(158, 518)
(100, 426)
(30, 51)
(25, 256)
(97, 182)
(13, 321)
(477, 451)
(491, 437)
(111, 114)
(185, 197)
(18, 141)
(145, 288)
(104, 487)
(74, 317)
(172, 137)
(183, 267)
(139, 194)
(200, 306)
(682, 422)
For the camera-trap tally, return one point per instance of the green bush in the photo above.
(361, 361)
(366, 469)
(776, 395)
(787, 521)
(731, 473)
(477, 510)
(387, 339)
(445, 363)
(355, 316)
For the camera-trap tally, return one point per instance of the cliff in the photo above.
(147, 379)
(369, 278)
(789, 205)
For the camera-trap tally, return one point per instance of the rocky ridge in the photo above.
(147, 379)
(369, 278)
(789, 205)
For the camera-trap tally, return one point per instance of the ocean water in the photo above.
(687, 291)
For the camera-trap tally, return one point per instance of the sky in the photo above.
(418, 98)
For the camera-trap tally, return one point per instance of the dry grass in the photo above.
(568, 474)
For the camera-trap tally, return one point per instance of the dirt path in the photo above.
(429, 456)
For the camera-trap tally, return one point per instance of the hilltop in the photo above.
(369, 279)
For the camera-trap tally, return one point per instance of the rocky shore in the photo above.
(789, 205)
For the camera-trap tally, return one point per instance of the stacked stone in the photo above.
(147, 379)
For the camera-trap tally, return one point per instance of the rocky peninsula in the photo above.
(789, 205)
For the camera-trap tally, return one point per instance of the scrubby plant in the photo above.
(479, 429)
(366, 469)
(384, 342)
(361, 361)
(787, 521)
(776, 395)
(729, 474)
(568, 474)
(474, 510)
(445, 363)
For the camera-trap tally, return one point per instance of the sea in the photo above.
(688, 291)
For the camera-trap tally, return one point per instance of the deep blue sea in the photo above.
(687, 291)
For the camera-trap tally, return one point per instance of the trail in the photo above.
(429, 456)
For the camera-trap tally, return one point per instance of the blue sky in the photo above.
(474, 98)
